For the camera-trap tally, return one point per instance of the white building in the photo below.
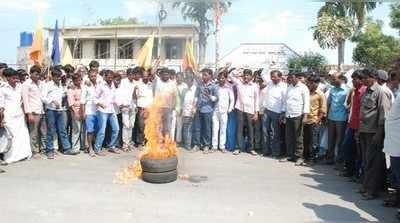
(118, 46)
(260, 55)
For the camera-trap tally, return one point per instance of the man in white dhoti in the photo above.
(13, 118)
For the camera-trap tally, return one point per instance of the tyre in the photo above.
(160, 178)
(159, 166)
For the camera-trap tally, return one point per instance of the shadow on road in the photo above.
(329, 182)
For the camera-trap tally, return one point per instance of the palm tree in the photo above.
(344, 11)
(197, 11)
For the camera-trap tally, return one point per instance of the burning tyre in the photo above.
(159, 170)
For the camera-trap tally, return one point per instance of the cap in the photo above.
(383, 75)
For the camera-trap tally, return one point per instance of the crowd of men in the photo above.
(302, 117)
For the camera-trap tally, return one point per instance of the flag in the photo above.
(146, 53)
(36, 51)
(67, 55)
(189, 60)
(55, 53)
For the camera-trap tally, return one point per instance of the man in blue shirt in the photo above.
(206, 94)
(337, 119)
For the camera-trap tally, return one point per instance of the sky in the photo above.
(247, 21)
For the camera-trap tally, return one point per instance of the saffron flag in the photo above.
(36, 52)
(55, 53)
(189, 60)
(146, 53)
(67, 55)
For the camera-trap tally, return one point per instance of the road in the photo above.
(238, 189)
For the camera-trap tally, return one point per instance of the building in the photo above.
(260, 55)
(116, 47)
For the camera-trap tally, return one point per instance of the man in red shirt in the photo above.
(350, 142)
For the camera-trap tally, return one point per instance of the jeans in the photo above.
(77, 135)
(187, 128)
(259, 137)
(336, 130)
(56, 126)
(294, 137)
(166, 121)
(219, 124)
(272, 133)
(245, 120)
(231, 131)
(311, 141)
(140, 129)
(178, 136)
(103, 119)
(350, 150)
(395, 167)
(128, 122)
(202, 130)
(38, 133)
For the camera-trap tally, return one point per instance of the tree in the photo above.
(198, 12)
(395, 16)
(344, 11)
(118, 21)
(374, 48)
(309, 60)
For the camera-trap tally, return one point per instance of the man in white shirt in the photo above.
(225, 103)
(33, 108)
(89, 108)
(143, 94)
(247, 108)
(273, 107)
(128, 106)
(106, 101)
(296, 107)
(182, 87)
(188, 111)
(56, 107)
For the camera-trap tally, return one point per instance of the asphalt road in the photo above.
(237, 189)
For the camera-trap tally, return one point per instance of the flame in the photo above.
(157, 146)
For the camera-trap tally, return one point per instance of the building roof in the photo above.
(166, 26)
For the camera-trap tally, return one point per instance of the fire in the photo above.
(157, 146)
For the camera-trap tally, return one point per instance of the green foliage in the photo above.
(331, 30)
(395, 16)
(309, 60)
(118, 21)
(374, 48)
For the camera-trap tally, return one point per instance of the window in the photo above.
(102, 49)
(173, 49)
(76, 48)
(125, 49)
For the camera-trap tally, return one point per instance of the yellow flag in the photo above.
(67, 56)
(188, 60)
(36, 52)
(146, 53)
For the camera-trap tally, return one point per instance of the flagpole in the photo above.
(217, 29)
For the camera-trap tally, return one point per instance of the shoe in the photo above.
(223, 150)
(236, 152)
(291, 159)
(254, 153)
(367, 197)
(213, 150)
(206, 150)
(114, 150)
(300, 162)
(195, 149)
(100, 153)
(50, 156)
(71, 152)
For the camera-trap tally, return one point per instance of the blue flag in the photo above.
(55, 53)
